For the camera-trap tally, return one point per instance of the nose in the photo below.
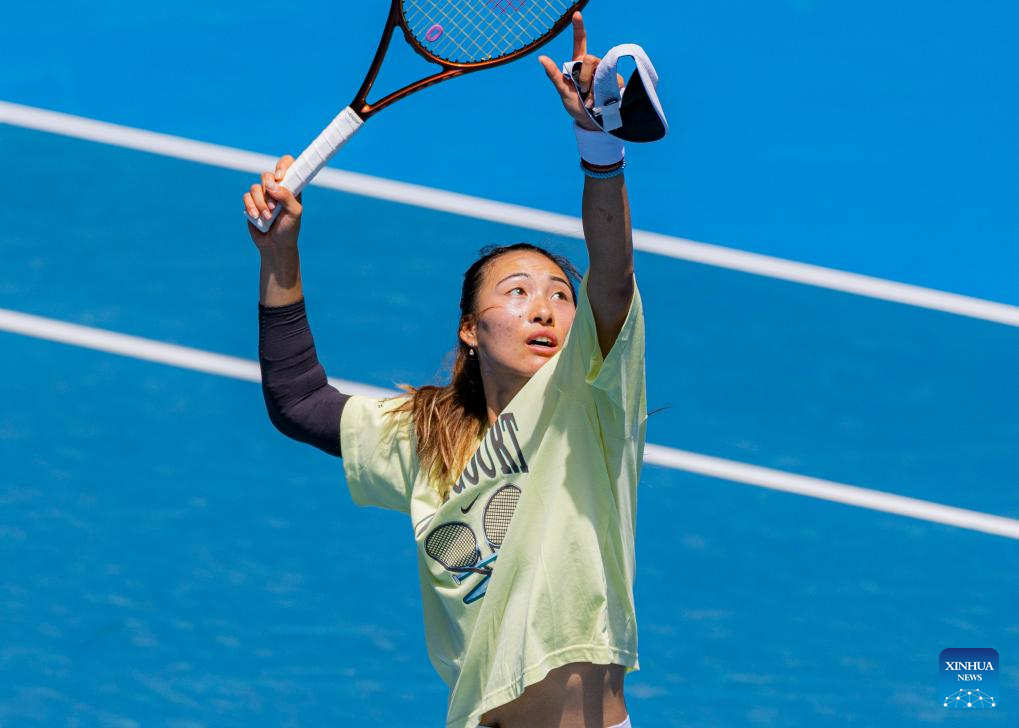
(542, 312)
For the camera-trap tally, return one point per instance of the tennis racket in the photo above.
(455, 546)
(460, 36)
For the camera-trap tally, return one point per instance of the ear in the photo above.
(469, 332)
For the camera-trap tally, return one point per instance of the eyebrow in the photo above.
(528, 275)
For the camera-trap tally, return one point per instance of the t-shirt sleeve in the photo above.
(617, 381)
(379, 452)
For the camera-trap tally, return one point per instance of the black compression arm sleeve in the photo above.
(301, 402)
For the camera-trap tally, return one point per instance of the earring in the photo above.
(470, 352)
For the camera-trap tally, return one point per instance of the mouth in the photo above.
(543, 343)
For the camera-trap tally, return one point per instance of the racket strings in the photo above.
(437, 17)
(508, 27)
(512, 23)
(475, 31)
(427, 19)
(453, 545)
(499, 512)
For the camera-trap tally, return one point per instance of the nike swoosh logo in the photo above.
(464, 510)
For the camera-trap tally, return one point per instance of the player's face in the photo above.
(524, 296)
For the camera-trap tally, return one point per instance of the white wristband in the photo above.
(598, 147)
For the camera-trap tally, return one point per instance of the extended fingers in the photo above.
(579, 37)
(556, 76)
(580, 52)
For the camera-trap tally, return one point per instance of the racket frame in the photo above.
(450, 69)
(315, 157)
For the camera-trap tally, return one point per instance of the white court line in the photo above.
(501, 212)
(149, 350)
(228, 366)
(851, 495)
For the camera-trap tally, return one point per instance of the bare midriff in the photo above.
(577, 695)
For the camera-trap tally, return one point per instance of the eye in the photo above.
(563, 294)
(518, 288)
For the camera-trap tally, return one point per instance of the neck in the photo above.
(499, 392)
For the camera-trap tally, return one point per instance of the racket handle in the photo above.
(313, 159)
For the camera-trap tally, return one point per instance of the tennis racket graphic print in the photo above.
(498, 514)
(455, 545)
(460, 36)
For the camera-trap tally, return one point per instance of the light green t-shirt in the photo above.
(551, 492)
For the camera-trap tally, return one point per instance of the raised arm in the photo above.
(610, 248)
(298, 397)
(606, 211)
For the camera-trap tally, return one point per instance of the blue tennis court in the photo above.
(169, 558)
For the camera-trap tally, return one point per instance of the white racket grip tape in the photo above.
(313, 159)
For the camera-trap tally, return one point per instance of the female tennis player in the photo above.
(520, 475)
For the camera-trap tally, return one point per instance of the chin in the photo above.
(542, 361)
(529, 366)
